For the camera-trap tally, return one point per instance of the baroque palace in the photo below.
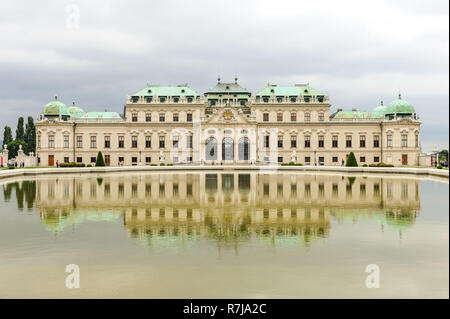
(228, 125)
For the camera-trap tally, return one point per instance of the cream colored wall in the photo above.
(286, 128)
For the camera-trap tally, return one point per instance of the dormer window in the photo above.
(149, 91)
(320, 99)
(176, 100)
(305, 91)
(307, 99)
(189, 100)
(293, 99)
(149, 99)
(162, 99)
(266, 99)
(134, 99)
(182, 91)
(227, 88)
(279, 99)
(272, 91)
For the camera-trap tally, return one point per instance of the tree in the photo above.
(351, 160)
(13, 148)
(30, 135)
(7, 136)
(100, 161)
(20, 134)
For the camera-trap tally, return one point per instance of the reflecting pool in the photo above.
(224, 235)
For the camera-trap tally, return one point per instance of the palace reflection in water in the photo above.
(226, 207)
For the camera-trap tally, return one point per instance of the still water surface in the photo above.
(223, 235)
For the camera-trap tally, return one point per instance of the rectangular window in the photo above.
(389, 141)
(334, 141)
(294, 141)
(307, 117)
(134, 161)
(121, 159)
(321, 117)
(134, 117)
(93, 159)
(162, 117)
(362, 159)
(66, 141)
(66, 160)
(335, 159)
(148, 117)
(417, 140)
(376, 159)
(189, 117)
(307, 159)
(148, 160)
(404, 140)
(79, 141)
(307, 141)
(348, 141)
(321, 160)
(175, 117)
(293, 117)
(121, 142)
(148, 141)
(280, 159)
(175, 141)
(162, 142)
(189, 141)
(362, 141)
(79, 160)
(321, 141)
(93, 141)
(376, 141)
(51, 141)
(189, 159)
(280, 117)
(280, 141)
(134, 142)
(266, 141)
(107, 141)
(266, 117)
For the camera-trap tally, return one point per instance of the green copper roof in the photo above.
(55, 108)
(166, 91)
(76, 111)
(379, 111)
(352, 115)
(225, 88)
(400, 106)
(288, 90)
(101, 115)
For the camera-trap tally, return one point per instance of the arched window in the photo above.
(244, 149)
(211, 149)
(227, 149)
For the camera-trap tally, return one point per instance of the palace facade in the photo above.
(228, 125)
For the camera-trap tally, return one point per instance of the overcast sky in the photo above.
(97, 52)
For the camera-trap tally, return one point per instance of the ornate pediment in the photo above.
(227, 115)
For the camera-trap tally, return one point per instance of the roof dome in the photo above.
(55, 108)
(379, 111)
(400, 106)
(76, 111)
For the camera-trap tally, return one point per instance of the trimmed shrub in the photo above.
(88, 165)
(100, 161)
(80, 165)
(153, 164)
(298, 164)
(170, 164)
(439, 167)
(11, 167)
(351, 160)
(162, 164)
(364, 165)
(291, 163)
